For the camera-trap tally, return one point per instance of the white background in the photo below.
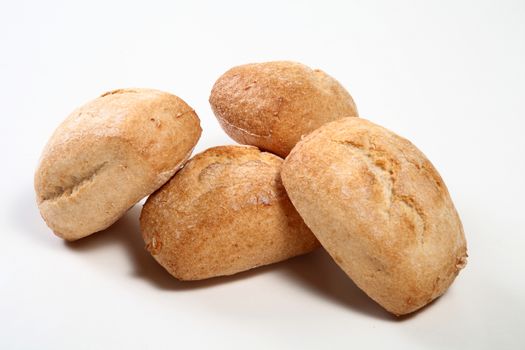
(448, 75)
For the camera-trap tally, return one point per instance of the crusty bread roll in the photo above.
(271, 105)
(226, 211)
(110, 153)
(380, 209)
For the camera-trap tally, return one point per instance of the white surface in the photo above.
(450, 76)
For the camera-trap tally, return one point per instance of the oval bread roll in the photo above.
(380, 209)
(225, 212)
(271, 105)
(109, 154)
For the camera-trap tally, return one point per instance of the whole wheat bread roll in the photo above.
(271, 105)
(110, 153)
(380, 209)
(225, 212)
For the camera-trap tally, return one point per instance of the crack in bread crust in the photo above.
(243, 130)
(69, 190)
(385, 168)
(411, 203)
(119, 91)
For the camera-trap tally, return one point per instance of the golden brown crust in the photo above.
(110, 153)
(226, 211)
(380, 209)
(271, 105)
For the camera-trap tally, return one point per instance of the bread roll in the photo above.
(380, 209)
(110, 153)
(271, 105)
(225, 212)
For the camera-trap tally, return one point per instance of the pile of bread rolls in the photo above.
(368, 196)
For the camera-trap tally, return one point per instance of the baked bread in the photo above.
(109, 154)
(225, 212)
(380, 209)
(271, 105)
